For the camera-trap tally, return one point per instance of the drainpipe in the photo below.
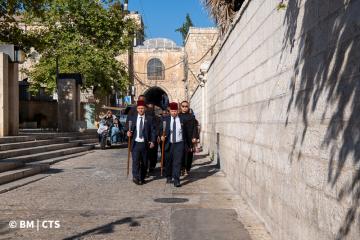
(186, 79)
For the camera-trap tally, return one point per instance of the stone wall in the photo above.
(44, 113)
(173, 84)
(200, 46)
(9, 97)
(284, 95)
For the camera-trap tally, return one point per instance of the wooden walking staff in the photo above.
(129, 149)
(162, 149)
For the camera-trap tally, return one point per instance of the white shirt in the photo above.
(178, 129)
(138, 139)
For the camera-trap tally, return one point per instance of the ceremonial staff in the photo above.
(129, 149)
(163, 147)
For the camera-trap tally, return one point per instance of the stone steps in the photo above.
(15, 139)
(38, 163)
(21, 182)
(87, 141)
(26, 171)
(33, 143)
(29, 174)
(24, 156)
(51, 154)
(54, 160)
(6, 165)
(38, 149)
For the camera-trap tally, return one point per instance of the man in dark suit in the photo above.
(191, 135)
(153, 153)
(133, 109)
(175, 141)
(143, 136)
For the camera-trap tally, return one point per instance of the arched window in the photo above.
(155, 69)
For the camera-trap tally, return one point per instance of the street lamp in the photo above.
(15, 54)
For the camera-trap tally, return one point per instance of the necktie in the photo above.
(141, 135)
(174, 131)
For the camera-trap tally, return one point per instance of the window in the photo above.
(155, 69)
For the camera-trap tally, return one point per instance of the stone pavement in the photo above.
(91, 198)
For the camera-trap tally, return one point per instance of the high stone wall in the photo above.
(284, 95)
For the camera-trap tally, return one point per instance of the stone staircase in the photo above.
(33, 152)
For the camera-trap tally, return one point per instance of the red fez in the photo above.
(173, 106)
(141, 103)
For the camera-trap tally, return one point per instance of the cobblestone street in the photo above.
(93, 199)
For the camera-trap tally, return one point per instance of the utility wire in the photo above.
(162, 70)
(211, 48)
(217, 39)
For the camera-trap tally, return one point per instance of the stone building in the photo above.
(163, 71)
(201, 44)
(159, 71)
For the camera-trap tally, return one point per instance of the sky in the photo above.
(162, 17)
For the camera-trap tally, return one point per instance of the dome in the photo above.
(160, 43)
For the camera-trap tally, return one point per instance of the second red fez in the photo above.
(173, 106)
(141, 103)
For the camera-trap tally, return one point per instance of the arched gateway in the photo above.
(157, 96)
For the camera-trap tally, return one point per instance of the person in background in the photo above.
(153, 152)
(191, 135)
(111, 119)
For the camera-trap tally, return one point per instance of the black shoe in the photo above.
(168, 180)
(136, 181)
(142, 182)
(177, 183)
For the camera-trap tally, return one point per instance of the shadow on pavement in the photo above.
(199, 173)
(106, 229)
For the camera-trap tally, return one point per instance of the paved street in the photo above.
(92, 198)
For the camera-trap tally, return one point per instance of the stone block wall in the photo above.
(44, 113)
(200, 45)
(173, 83)
(9, 96)
(284, 95)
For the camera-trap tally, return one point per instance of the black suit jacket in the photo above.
(149, 131)
(186, 128)
(191, 125)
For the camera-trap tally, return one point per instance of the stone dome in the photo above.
(162, 43)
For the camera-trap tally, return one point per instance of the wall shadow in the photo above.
(106, 228)
(199, 173)
(328, 67)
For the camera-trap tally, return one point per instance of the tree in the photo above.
(223, 11)
(85, 36)
(15, 12)
(184, 29)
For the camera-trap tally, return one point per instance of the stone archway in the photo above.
(157, 96)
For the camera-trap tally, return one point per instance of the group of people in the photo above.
(111, 123)
(175, 128)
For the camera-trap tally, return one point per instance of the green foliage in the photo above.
(184, 29)
(85, 36)
(13, 12)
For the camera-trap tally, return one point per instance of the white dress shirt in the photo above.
(178, 129)
(138, 139)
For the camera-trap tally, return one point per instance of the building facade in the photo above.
(159, 71)
(163, 71)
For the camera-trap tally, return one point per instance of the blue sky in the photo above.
(162, 17)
